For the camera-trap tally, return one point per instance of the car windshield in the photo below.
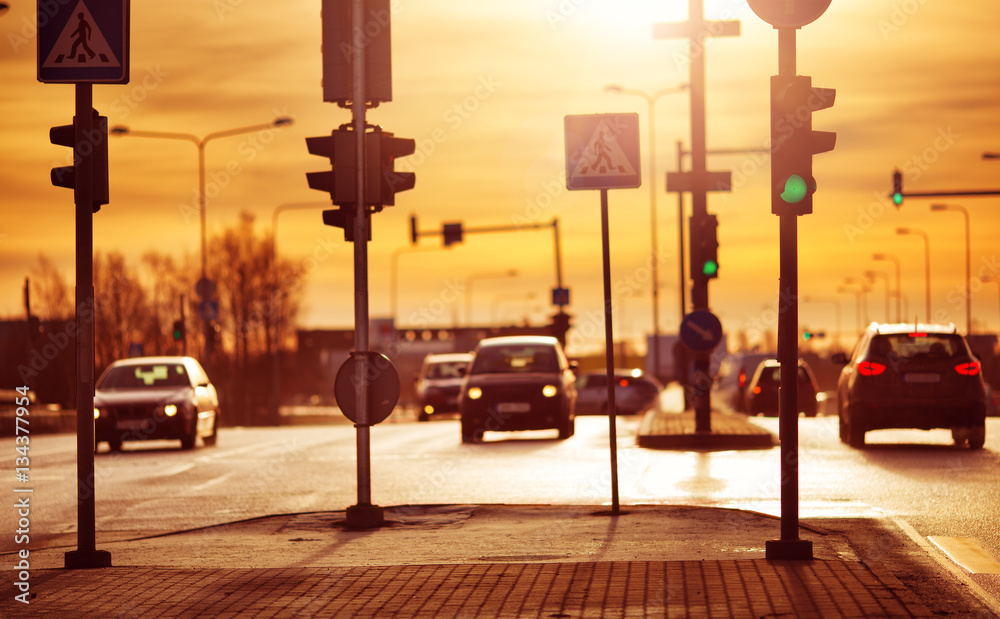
(145, 376)
(515, 359)
(911, 345)
(445, 370)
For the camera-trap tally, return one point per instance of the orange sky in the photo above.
(483, 88)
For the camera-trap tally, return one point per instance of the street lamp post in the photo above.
(993, 280)
(836, 311)
(871, 275)
(968, 260)
(859, 294)
(899, 269)
(468, 289)
(200, 143)
(927, 262)
(654, 243)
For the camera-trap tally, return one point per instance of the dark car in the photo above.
(912, 376)
(634, 392)
(438, 383)
(762, 390)
(155, 398)
(730, 384)
(518, 383)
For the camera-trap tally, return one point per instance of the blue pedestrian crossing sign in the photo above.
(83, 41)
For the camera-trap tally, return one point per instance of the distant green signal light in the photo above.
(710, 268)
(795, 189)
(897, 198)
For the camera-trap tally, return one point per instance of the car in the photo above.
(634, 392)
(762, 390)
(921, 376)
(146, 398)
(438, 383)
(730, 383)
(518, 383)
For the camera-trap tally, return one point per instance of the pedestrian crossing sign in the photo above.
(602, 151)
(83, 43)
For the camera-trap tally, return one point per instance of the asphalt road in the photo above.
(916, 478)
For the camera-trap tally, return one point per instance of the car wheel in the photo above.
(191, 437)
(855, 435)
(212, 439)
(468, 431)
(115, 444)
(567, 428)
(422, 416)
(977, 437)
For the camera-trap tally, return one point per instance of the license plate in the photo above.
(513, 407)
(921, 378)
(130, 424)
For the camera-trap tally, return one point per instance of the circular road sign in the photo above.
(701, 331)
(205, 288)
(789, 13)
(383, 387)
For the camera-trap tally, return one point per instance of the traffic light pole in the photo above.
(363, 514)
(789, 546)
(86, 555)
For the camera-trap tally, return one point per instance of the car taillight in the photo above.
(968, 369)
(743, 378)
(756, 390)
(870, 368)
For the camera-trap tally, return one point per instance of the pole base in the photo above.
(86, 559)
(365, 516)
(788, 550)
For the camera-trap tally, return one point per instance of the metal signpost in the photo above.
(84, 44)
(602, 152)
(791, 196)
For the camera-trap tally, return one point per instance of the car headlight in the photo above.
(475, 393)
(97, 413)
(170, 410)
(549, 391)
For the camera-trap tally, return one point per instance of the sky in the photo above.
(483, 88)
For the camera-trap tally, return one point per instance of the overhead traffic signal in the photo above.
(704, 247)
(383, 182)
(92, 144)
(451, 233)
(897, 188)
(793, 141)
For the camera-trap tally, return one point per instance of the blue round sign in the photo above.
(701, 331)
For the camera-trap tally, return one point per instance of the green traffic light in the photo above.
(795, 189)
(897, 198)
(710, 268)
(806, 335)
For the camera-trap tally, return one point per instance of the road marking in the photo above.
(967, 552)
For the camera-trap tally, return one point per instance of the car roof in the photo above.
(519, 339)
(148, 360)
(448, 357)
(910, 327)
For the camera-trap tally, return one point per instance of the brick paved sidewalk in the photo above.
(723, 588)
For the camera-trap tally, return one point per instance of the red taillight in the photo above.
(870, 368)
(968, 369)
(743, 378)
(756, 390)
(623, 382)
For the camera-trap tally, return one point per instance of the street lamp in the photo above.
(871, 275)
(200, 143)
(993, 280)
(859, 294)
(516, 296)
(899, 269)
(468, 289)
(927, 262)
(655, 249)
(836, 308)
(968, 261)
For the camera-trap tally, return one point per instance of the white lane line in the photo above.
(967, 552)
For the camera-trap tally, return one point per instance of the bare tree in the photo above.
(121, 309)
(50, 294)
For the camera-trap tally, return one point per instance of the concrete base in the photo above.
(86, 559)
(788, 550)
(365, 516)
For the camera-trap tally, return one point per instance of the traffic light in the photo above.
(793, 141)
(897, 188)
(560, 326)
(343, 217)
(452, 233)
(341, 181)
(178, 330)
(383, 182)
(339, 43)
(413, 230)
(95, 145)
(704, 247)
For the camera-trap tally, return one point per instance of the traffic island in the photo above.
(661, 429)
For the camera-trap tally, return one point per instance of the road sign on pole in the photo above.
(83, 42)
(602, 151)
